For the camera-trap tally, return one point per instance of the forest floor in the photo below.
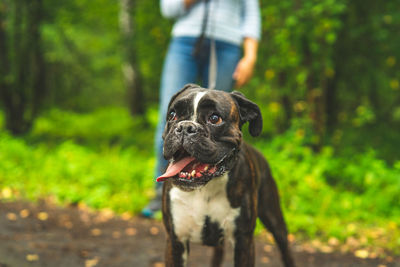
(44, 234)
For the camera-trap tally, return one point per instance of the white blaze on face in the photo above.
(196, 101)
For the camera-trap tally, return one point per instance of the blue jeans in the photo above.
(181, 67)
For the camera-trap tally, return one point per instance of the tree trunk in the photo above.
(22, 84)
(130, 69)
(4, 60)
(316, 97)
(287, 104)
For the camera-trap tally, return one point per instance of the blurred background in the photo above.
(79, 98)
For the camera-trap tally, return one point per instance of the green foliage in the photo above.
(107, 175)
(327, 80)
(326, 194)
(82, 51)
(333, 61)
(102, 160)
(104, 127)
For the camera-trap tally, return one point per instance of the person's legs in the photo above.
(179, 69)
(228, 55)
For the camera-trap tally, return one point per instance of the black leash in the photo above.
(198, 48)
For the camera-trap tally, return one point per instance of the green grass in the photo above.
(324, 195)
(105, 159)
(100, 159)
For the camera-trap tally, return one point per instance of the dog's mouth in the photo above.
(187, 169)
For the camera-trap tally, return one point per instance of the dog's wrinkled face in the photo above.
(202, 135)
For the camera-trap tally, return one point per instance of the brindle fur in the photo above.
(250, 185)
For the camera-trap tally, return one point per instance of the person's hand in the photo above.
(245, 67)
(243, 71)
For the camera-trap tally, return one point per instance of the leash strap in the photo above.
(212, 69)
(200, 40)
(205, 17)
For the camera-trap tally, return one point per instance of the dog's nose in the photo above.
(186, 128)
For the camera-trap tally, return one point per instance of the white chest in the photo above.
(190, 210)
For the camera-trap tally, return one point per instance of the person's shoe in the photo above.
(153, 207)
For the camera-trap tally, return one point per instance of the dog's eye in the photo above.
(214, 119)
(172, 116)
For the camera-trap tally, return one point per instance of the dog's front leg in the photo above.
(244, 250)
(176, 253)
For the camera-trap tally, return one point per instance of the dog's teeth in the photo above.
(189, 175)
(213, 170)
(193, 173)
(206, 168)
(181, 174)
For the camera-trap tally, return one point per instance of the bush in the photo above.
(325, 194)
(103, 160)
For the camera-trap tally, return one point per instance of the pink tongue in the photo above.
(175, 168)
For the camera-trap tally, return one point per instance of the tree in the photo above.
(22, 69)
(130, 68)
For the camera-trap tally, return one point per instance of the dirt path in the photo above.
(46, 235)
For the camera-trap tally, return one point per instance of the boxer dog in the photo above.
(216, 185)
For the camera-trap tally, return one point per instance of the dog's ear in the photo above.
(187, 86)
(249, 112)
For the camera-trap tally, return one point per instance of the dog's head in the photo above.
(203, 134)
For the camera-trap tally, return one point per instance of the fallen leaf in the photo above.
(6, 192)
(11, 216)
(291, 238)
(373, 255)
(316, 243)
(333, 241)
(361, 253)
(130, 231)
(43, 216)
(265, 259)
(116, 234)
(154, 230)
(326, 249)
(68, 224)
(268, 248)
(352, 242)
(270, 238)
(82, 206)
(95, 232)
(24, 213)
(32, 257)
(126, 216)
(91, 262)
(104, 215)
